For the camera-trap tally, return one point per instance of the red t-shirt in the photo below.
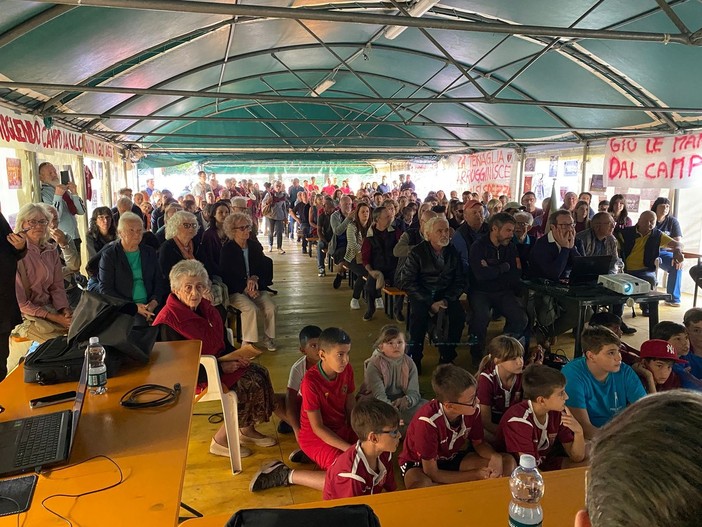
(351, 476)
(520, 432)
(431, 436)
(329, 190)
(630, 356)
(327, 396)
(491, 393)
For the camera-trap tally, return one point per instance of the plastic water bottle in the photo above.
(97, 371)
(527, 487)
(619, 266)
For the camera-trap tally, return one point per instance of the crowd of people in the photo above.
(184, 260)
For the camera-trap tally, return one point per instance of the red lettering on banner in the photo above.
(654, 145)
(19, 130)
(623, 144)
(621, 169)
(687, 142)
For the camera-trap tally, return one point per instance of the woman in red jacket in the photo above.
(188, 315)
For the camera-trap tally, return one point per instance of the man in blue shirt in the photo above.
(598, 384)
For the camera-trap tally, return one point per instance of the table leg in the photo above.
(652, 317)
(582, 310)
(694, 298)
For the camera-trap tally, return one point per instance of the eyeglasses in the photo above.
(189, 225)
(243, 228)
(34, 223)
(392, 433)
(565, 225)
(471, 404)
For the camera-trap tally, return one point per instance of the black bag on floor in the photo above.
(342, 516)
(108, 318)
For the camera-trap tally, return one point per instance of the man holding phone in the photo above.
(64, 197)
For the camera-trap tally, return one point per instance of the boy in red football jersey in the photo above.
(535, 425)
(327, 400)
(437, 437)
(366, 467)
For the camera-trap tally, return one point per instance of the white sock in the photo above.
(290, 476)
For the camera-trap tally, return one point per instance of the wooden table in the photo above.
(150, 446)
(474, 504)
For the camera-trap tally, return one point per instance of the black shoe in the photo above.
(627, 330)
(370, 312)
(284, 428)
(337, 281)
(273, 474)
(298, 456)
(399, 316)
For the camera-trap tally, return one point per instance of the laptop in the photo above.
(586, 269)
(33, 443)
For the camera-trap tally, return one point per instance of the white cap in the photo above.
(527, 461)
(94, 340)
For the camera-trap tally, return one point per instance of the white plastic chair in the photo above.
(229, 408)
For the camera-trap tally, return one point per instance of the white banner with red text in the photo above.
(670, 161)
(28, 132)
(494, 171)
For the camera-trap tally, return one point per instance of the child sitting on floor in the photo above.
(309, 347)
(693, 325)
(327, 399)
(630, 355)
(499, 381)
(539, 423)
(366, 467)
(676, 334)
(390, 375)
(599, 385)
(658, 357)
(435, 448)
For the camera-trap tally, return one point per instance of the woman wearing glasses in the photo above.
(247, 272)
(130, 269)
(39, 280)
(180, 243)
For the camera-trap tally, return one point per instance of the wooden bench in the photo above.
(390, 293)
(310, 242)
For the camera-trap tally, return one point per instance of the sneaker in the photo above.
(321, 272)
(270, 248)
(337, 281)
(272, 474)
(269, 343)
(264, 441)
(284, 428)
(281, 251)
(379, 304)
(627, 330)
(221, 450)
(368, 315)
(298, 456)
(672, 304)
(355, 304)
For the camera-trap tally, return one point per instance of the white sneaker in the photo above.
(270, 248)
(355, 304)
(269, 343)
(379, 304)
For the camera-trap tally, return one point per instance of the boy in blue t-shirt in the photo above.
(599, 384)
(693, 325)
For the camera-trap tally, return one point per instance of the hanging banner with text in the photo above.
(672, 161)
(494, 171)
(28, 132)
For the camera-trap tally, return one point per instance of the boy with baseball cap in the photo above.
(658, 356)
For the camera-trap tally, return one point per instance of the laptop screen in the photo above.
(78, 404)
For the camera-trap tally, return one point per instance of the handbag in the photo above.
(108, 318)
(555, 359)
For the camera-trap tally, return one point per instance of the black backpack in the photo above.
(108, 318)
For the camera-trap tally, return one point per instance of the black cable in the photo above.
(131, 398)
(6, 498)
(108, 487)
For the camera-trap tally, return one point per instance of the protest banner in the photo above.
(673, 161)
(493, 171)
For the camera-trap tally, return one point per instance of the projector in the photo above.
(624, 284)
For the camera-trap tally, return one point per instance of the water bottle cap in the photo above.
(94, 340)
(527, 461)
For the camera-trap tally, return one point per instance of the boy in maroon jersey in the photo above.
(366, 467)
(327, 400)
(435, 449)
(537, 424)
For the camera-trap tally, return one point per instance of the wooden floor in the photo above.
(305, 299)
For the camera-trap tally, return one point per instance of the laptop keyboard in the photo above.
(38, 440)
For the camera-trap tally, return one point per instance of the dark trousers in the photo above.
(650, 277)
(419, 322)
(4, 353)
(321, 245)
(360, 271)
(275, 229)
(504, 302)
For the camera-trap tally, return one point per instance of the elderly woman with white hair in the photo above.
(39, 280)
(188, 315)
(247, 272)
(181, 229)
(130, 270)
